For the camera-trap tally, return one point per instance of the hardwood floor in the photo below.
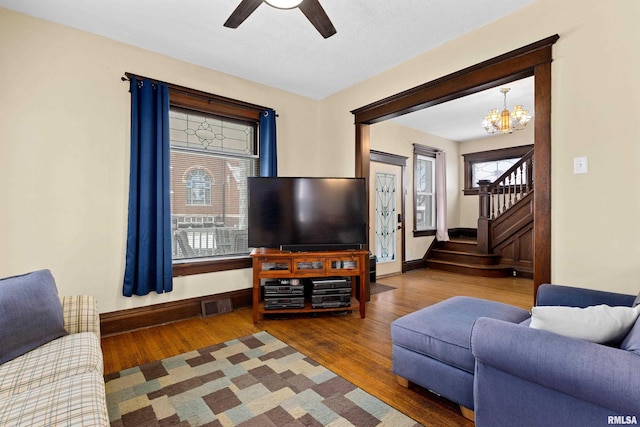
(357, 349)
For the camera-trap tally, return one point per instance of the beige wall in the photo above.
(595, 110)
(64, 142)
(64, 154)
(392, 138)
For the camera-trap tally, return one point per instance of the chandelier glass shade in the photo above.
(505, 121)
(283, 4)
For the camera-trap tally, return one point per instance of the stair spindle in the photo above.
(493, 205)
(509, 190)
(504, 198)
(521, 175)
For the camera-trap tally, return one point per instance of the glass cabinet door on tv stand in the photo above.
(274, 264)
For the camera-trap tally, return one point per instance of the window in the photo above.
(211, 158)
(489, 165)
(198, 187)
(424, 205)
(425, 193)
(213, 150)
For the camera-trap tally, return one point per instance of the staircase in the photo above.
(503, 243)
(460, 255)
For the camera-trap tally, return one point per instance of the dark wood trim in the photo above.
(498, 154)
(415, 264)
(531, 60)
(542, 173)
(392, 159)
(152, 315)
(463, 232)
(403, 222)
(423, 150)
(209, 266)
(523, 273)
(237, 109)
(363, 164)
(485, 156)
(422, 233)
(511, 66)
(198, 103)
(427, 254)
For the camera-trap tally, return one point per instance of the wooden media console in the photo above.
(271, 263)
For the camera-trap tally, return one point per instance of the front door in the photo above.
(386, 217)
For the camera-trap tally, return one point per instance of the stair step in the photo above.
(476, 270)
(464, 257)
(461, 245)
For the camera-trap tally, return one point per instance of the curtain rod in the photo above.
(197, 93)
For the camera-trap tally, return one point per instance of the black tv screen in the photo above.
(307, 213)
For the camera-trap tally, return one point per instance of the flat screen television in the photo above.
(307, 214)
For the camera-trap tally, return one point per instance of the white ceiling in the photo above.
(461, 119)
(280, 48)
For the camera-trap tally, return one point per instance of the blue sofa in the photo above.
(532, 377)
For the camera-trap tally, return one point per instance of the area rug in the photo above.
(376, 288)
(254, 381)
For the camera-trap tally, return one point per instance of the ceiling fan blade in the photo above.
(314, 12)
(242, 12)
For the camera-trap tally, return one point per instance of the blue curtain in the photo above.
(148, 258)
(268, 152)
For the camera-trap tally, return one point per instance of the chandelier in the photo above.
(505, 121)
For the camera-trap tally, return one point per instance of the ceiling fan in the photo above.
(311, 9)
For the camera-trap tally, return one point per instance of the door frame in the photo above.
(396, 160)
(531, 60)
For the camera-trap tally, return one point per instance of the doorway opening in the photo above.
(531, 60)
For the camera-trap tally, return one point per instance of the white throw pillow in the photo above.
(598, 323)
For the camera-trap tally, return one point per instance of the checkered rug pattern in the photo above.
(254, 381)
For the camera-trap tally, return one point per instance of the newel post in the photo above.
(483, 216)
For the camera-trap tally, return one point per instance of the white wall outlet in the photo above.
(580, 165)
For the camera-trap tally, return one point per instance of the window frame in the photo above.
(486, 156)
(228, 108)
(424, 151)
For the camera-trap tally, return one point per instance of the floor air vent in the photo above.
(215, 307)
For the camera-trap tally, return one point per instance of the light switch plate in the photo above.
(580, 165)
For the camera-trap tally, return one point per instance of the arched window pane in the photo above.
(198, 188)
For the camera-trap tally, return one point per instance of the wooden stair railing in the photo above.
(499, 196)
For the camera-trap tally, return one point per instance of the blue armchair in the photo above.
(531, 377)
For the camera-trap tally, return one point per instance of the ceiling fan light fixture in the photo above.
(283, 4)
(312, 9)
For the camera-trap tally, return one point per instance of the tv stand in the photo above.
(271, 263)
